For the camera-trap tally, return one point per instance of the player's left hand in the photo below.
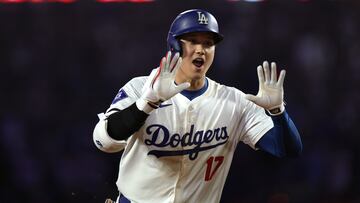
(271, 92)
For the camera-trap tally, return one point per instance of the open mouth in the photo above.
(198, 62)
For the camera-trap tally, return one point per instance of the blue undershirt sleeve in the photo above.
(283, 139)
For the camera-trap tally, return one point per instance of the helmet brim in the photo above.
(216, 36)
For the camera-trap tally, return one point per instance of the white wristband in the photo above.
(144, 106)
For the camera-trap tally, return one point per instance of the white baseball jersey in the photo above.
(184, 150)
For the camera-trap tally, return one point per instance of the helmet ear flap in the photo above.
(174, 44)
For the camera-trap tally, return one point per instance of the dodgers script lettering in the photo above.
(159, 136)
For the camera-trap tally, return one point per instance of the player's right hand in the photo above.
(162, 84)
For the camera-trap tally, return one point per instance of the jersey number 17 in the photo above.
(210, 171)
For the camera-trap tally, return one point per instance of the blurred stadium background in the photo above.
(62, 62)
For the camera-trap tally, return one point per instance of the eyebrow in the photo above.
(208, 35)
(187, 38)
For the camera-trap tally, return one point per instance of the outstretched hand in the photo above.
(162, 86)
(271, 92)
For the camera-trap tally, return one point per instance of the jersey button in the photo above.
(191, 108)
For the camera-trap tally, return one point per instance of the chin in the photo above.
(198, 76)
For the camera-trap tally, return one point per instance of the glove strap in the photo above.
(277, 110)
(147, 106)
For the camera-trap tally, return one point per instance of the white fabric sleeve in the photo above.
(254, 122)
(132, 91)
(126, 96)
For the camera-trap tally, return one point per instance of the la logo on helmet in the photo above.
(202, 18)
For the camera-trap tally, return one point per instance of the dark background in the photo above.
(61, 64)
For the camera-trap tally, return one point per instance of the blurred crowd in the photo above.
(61, 64)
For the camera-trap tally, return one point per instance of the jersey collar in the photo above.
(192, 94)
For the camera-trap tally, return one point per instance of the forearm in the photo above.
(283, 139)
(291, 136)
(122, 124)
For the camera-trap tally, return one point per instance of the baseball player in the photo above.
(179, 129)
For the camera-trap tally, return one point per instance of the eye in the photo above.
(209, 43)
(192, 41)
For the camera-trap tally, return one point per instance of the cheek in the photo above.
(186, 63)
(186, 57)
(210, 56)
(186, 51)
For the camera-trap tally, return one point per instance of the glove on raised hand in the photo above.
(271, 92)
(162, 84)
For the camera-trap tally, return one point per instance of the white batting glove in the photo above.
(271, 92)
(162, 86)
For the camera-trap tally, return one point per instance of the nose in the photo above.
(199, 49)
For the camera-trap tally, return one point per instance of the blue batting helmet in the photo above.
(194, 20)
